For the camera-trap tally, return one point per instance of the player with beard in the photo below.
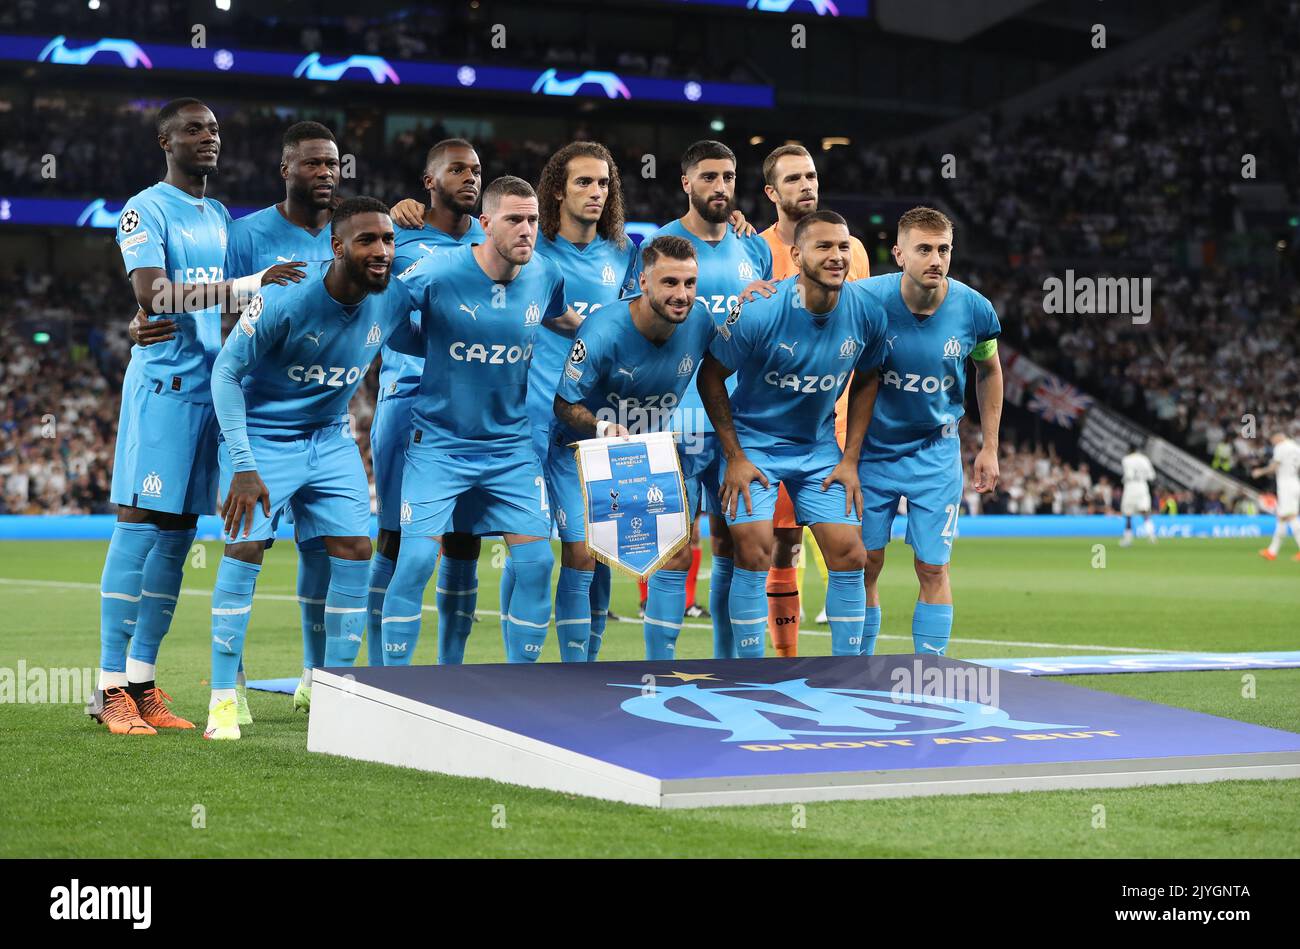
(790, 182)
(453, 178)
(281, 387)
(625, 374)
(728, 263)
(173, 243)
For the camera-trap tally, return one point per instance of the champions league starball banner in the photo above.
(635, 500)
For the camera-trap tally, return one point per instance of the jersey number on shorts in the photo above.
(951, 523)
(541, 486)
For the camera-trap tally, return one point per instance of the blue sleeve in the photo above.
(406, 336)
(733, 341)
(142, 236)
(764, 254)
(873, 337)
(585, 365)
(987, 325)
(631, 274)
(238, 254)
(253, 334)
(556, 306)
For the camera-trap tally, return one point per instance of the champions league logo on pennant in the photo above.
(635, 500)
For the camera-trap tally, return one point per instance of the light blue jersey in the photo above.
(295, 358)
(266, 238)
(478, 338)
(725, 270)
(399, 374)
(923, 379)
(595, 276)
(163, 226)
(791, 364)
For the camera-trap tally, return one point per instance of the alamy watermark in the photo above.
(41, 685)
(979, 684)
(1104, 296)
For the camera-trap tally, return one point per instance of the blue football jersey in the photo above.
(791, 365)
(163, 226)
(399, 374)
(266, 238)
(622, 377)
(297, 355)
(478, 338)
(594, 276)
(923, 378)
(725, 270)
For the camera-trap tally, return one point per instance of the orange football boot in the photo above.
(121, 715)
(154, 710)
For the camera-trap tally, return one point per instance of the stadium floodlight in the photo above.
(42, 337)
(830, 141)
(717, 125)
(93, 4)
(756, 140)
(223, 5)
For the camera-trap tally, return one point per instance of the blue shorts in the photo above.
(931, 480)
(707, 467)
(389, 431)
(319, 477)
(802, 472)
(567, 501)
(487, 494)
(166, 457)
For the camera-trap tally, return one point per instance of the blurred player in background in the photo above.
(626, 373)
(481, 307)
(790, 182)
(793, 353)
(728, 263)
(1286, 466)
(912, 448)
(173, 243)
(1138, 473)
(281, 387)
(453, 178)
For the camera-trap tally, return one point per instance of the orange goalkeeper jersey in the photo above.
(783, 266)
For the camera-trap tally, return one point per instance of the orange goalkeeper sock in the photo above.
(693, 574)
(783, 610)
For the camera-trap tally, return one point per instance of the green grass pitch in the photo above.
(75, 791)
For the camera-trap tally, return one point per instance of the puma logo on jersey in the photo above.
(474, 312)
(282, 260)
(426, 248)
(788, 346)
(620, 371)
(189, 235)
(315, 337)
(890, 341)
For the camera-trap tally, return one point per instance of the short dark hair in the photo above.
(704, 151)
(668, 245)
(816, 217)
(305, 132)
(359, 204)
(506, 185)
(775, 155)
(436, 150)
(171, 109)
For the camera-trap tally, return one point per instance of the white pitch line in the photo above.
(276, 597)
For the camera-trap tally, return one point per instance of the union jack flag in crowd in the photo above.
(1059, 402)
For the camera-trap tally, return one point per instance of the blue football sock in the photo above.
(507, 589)
(529, 609)
(573, 613)
(931, 627)
(119, 591)
(159, 590)
(313, 588)
(602, 583)
(457, 596)
(381, 574)
(401, 623)
(720, 574)
(232, 602)
(846, 604)
(345, 610)
(748, 607)
(665, 607)
(870, 630)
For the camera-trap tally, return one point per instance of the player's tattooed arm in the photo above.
(579, 418)
(988, 393)
(741, 472)
(157, 295)
(408, 213)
